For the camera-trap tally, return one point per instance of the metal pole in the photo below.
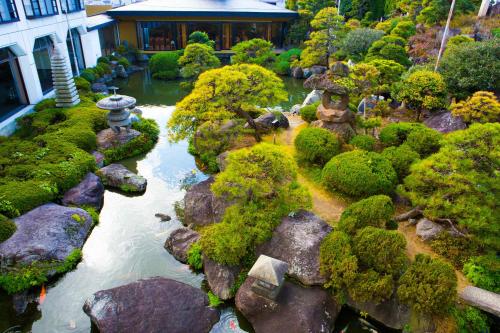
(71, 40)
(445, 34)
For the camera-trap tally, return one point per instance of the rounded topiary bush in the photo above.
(424, 140)
(7, 228)
(401, 158)
(308, 112)
(395, 134)
(88, 75)
(375, 211)
(365, 142)
(165, 65)
(359, 173)
(316, 145)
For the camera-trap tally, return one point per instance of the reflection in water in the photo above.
(128, 242)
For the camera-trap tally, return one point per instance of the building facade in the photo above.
(29, 30)
(158, 25)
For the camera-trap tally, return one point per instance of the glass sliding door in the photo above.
(12, 93)
(78, 51)
(42, 53)
(159, 36)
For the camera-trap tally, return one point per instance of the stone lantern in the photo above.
(269, 275)
(119, 107)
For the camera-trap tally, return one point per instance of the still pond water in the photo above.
(127, 245)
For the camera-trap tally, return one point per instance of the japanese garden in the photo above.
(336, 170)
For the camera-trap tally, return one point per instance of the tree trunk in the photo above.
(250, 122)
(409, 215)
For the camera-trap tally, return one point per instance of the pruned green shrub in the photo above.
(337, 262)
(428, 285)
(165, 65)
(308, 112)
(470, 319)
(375, 211)
(103, 60)
(254, 51)
(458, 250)
(396, 134)
(316, 145)
(359, 173)
(282, 67)
(365, 142)
(425, 141)
(401, 158)
(124, 62)
(371, 286)
(382, 250)
(48, 103)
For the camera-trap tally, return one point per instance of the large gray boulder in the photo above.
(48, 232)
(445, 122)
(271, 121)
(297, 72)
(108, 138)
(428, 230)
(296, 309)
(90, 192)
(220, 278)
(313, 97)
(296, 241)
(201, 206)
(391, 312)
(117, 176)
(179, 242)
(155, 305)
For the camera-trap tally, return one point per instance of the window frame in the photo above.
(79, 6)
(55, 9)
(11, 5)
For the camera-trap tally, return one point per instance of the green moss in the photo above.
(194, 256)
(23, 277)
(7, 228)
(149, 136)
(48, 103)
(78, 218)
(213, 300)
(94, 214)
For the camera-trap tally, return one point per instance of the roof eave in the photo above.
(146, 13)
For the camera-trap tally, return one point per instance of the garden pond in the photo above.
(127, 244)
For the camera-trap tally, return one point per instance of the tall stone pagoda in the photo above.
(64, 85)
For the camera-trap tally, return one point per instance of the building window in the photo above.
(12, 92)
(42, 53)
(71, 6)
(77, 52)
(246, 31)
(40, 8)
(159, 36)
(8, 11)
(107, 39)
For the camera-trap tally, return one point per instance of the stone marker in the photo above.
(485, 300)
(64, 85)
(269, 275)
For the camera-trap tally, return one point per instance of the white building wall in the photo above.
(21, 35)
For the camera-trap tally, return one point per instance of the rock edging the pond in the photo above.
(117, 176)
(89, 192)
(201, 206)
(179, 242)
(296, 241)
(48, 232)
(296, 310)
(151, 305)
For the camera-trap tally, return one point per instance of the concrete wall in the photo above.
(20, 37)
